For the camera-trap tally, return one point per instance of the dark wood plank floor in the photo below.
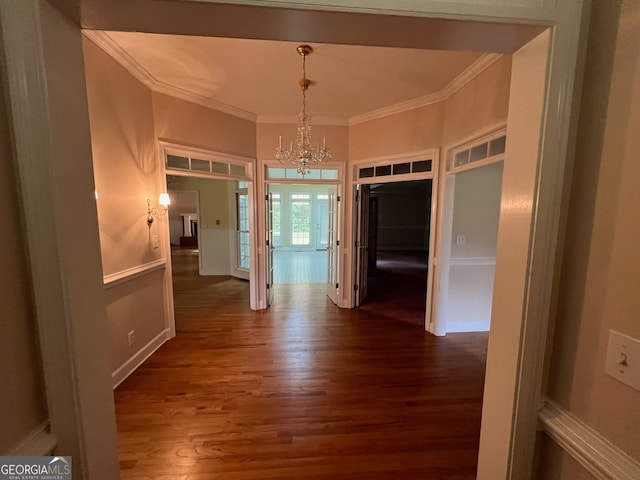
(302, 391)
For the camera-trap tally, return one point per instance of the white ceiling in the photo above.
(262, 76)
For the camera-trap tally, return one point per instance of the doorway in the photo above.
(394, 249)
(301, 233)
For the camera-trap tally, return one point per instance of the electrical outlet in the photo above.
(131, 337)
(461, 239)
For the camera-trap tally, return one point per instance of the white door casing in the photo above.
(332, 245)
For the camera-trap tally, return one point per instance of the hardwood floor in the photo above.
(302, 391)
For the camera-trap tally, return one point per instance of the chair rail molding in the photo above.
(603, 459)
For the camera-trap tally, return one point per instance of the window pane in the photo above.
(237, 170)
(243, 250)
(275, 219)
(275, 172)
(462, 158)
(217, 167)
(292, 173)
(400, 168)
(497, 146)
(479, 152)
(383, 171)
(422, 166)
(366, 172)
(200, 165)
(174, 161)
(300, 219)
(314, 174)
(242, 204)
(330, 174)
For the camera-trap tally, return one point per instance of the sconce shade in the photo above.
(164, 200)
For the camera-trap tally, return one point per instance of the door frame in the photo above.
(66, 283)
(444, 222)
(432, 154)
(261, 186)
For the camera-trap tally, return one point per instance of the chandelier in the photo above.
(301, 153)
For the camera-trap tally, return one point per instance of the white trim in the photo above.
(472, 71)
(181, 149)
(471, 261)
(475, 326)
(104, 41)
(290, 119)
(38, 442)
(121, 373)
(595, 453)
(132, 273)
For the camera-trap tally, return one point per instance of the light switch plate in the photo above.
(623, 359)
(155, 241)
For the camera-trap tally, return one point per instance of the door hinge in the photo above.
(338, 198)
(267, 242)
(357, 195)
(266, 197)
(355, 287)
(337, 285)
(337, 243)
(268, 286)
(356, 243)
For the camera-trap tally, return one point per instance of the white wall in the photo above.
(476, 214)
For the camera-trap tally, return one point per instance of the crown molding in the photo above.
(106, 43)
(472, 71)
(115, 51)
(315, 120)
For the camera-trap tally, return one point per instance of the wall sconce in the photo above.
(152, 212)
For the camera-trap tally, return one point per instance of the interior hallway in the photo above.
(302, 391)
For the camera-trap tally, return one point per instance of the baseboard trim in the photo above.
(129, 274)
(476, 326)
(471, 261)
(130, 366)
(215, 272)
(595, 453)
(39, 442)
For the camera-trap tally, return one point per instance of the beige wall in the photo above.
(126, 174)
(124, 160)
(600, 273)
(482, 102)
(22, 403)
(409, 131)
(190, 124)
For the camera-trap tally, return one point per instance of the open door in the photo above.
(332, 245)
(269, 244)
(362, 242)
